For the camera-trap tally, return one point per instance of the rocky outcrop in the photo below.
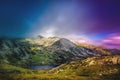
(104, 60)
(99, 50)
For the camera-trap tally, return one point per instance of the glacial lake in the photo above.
(42, 67)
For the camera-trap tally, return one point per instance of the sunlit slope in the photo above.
(94, 68)
(99, 50)
(46, 51)
(40, 51)
(105, 68)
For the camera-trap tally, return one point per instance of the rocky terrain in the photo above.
(94, 68)
(104, 68)
(46, 51)
(81, 61)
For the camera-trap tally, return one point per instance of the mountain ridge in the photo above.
(41, 51)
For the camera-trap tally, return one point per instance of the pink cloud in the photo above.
(112, 41)
(80, 39)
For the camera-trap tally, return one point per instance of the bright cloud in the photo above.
(48, 32)
(80, 38)
(52, 31)
(112, 41)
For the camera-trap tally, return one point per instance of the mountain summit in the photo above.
(41, 51)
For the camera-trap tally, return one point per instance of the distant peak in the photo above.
(39, 36)
(64, 43)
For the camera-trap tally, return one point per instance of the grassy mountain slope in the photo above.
(77, 61)
(105, 68)
(40, 51)
(99, 50)
(94, 68)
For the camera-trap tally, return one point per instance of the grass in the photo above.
(45, 77)
(10, 72)
(69, 71)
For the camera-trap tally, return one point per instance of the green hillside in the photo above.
(95, 68)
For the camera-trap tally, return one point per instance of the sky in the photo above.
(86, 21)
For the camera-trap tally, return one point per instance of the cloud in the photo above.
(78, 23)
(63, 19)
(112, 41)
(48, 31)
(80, 39)
(53, 31)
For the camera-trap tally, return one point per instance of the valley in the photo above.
(56, 59)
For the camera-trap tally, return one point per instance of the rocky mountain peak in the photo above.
(39, 36)
(64, 43)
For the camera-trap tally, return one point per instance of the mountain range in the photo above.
(72, 61)
(50, 51)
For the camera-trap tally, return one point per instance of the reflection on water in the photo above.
(42, 67)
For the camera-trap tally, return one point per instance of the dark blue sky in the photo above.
(15, 13)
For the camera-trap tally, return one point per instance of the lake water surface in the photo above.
(42, 67)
